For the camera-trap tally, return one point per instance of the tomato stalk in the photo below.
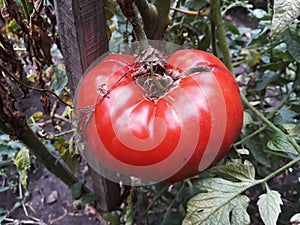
(152, 74)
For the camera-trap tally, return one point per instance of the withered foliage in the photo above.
(27, 35)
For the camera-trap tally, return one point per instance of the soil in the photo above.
(45, 201)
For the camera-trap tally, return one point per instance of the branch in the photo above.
(155, 17)
(191, 13)
(13, 122)
(38, 149)
(131, 12)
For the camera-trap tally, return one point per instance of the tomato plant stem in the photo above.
(250, 136)
(155, 17)
(216, 17)
(281, 169)
(269, 123)
(139, 31)
(157, 196)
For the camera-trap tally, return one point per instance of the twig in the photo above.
(52, 221)
(190, 13)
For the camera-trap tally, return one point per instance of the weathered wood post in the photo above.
(82, 29)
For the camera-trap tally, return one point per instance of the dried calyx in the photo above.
(152, 74)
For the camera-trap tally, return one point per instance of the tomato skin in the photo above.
(181, 134)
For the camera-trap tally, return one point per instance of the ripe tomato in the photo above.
(162, 120)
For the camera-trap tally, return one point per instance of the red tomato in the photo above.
(169, 137)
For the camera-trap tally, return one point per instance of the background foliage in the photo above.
(258, 181)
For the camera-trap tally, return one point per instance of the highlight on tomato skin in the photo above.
(151, 127)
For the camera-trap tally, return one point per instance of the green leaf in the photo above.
(22, 162)
(6, 149)
(2, 218)
(257, 152)
(220, 200)
(292, 40)
(67, 152)
(232, 28)
(269, 207)
(295, 132)
(253, 57)
(220, 204)
(280, 143)
(284, 116)
(89, 197)
(37, 116)
(12, 26)
(285, 12)
(129, 212)
(59, 78)
(258, 40)
(76, 190)
(235, 171)
(265, 80)
(2, 189)
(112, 217)
(247, 119)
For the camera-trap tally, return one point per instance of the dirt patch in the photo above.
(46, 201)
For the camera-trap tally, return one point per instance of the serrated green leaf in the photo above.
(235, 171)
(285, 12)
(232, 28)
(280, 143)
(22, 162)
(269, 206)
(222, 201)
